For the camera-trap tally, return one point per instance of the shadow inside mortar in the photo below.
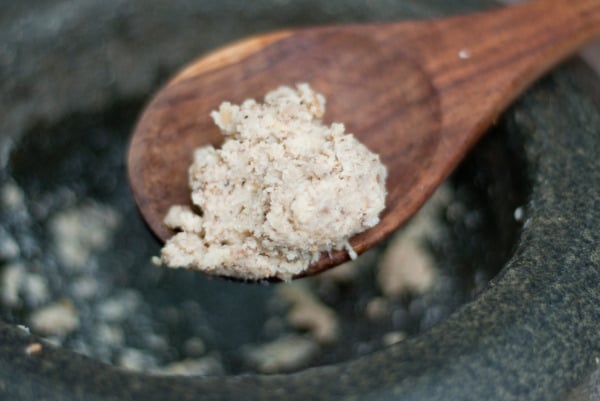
(83, 248)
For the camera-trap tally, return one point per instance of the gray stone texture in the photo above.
(534, 334)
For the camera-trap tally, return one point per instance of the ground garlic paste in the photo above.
(282, 188)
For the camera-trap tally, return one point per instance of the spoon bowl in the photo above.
(419, 94)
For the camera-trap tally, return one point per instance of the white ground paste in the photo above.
(283, 188)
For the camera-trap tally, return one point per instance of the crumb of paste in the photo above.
(281, 189)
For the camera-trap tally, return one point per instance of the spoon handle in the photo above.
(490, 59)
(479, 63)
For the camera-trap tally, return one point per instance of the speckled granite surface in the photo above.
(534, 334)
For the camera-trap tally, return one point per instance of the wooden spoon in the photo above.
(419, 94)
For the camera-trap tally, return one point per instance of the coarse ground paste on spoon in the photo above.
(281, 189)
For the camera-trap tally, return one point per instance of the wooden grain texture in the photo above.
(418, 93)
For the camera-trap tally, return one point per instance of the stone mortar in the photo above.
(534, 334)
